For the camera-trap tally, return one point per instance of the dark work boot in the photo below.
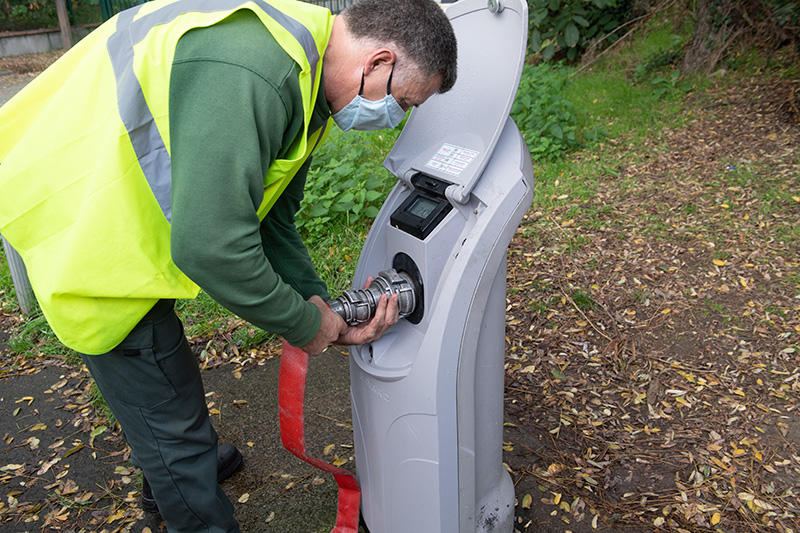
(229, 459)
(148, 502)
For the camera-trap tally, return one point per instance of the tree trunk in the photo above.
(712, 33)
(63, 24)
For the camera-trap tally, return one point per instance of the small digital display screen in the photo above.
(422, 207)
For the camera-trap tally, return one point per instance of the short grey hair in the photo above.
(418, 27)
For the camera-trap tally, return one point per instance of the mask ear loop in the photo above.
(388, 83)
(361, 89)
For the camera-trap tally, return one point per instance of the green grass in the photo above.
(612, 95)
(336, 254)
(606, 99)
(247, 338)
(32, 333)
(774, 310)
(610, 101)
(789, 234)
(711, 308)
(640, 295)
(34, 337)
(739, 175)
(99, 403)
(543, 305)
(689, 208)
(774, 193)
(657, 36)
(538, 307)
(582, 299)
(578, 242)
(8, 296)
(718, 308)
(203, 315)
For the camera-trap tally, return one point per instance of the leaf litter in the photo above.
(653, 337)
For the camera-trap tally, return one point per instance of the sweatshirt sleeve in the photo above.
(227, 125)
(283, 245)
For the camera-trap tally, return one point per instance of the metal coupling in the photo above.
(357, 306)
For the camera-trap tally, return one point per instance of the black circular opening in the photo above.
(403, 263)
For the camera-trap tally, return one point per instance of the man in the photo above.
(167, 152)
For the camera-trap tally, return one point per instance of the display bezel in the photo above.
(421, 227)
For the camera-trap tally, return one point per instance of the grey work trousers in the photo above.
(151, 382)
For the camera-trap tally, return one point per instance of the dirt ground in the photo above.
(653, 361)
(654, 364)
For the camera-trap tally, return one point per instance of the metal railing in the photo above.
(336, 6)
(109, 8)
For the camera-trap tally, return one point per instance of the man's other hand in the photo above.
(386, 316)
(330, 330)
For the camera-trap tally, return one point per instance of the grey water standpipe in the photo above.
(427, 397)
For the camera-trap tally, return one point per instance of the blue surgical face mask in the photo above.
(363, 114)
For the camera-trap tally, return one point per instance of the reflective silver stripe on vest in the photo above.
(138, 119)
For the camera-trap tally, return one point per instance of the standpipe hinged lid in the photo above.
(452, 135)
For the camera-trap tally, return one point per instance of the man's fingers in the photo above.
(387, 314)
(394, 309)
(380, 311)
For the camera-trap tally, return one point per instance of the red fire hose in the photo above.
(291, 399)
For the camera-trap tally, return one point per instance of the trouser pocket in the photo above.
(141, 371)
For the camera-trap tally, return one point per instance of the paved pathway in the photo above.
(54, 471)
(10, 84)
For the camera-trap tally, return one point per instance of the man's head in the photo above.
(404, 46)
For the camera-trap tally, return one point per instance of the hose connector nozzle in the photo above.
(357, 306)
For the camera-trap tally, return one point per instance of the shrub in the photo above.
(545, 117)
(569, 26)
(346, 181)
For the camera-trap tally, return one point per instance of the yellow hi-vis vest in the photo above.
(85, 173)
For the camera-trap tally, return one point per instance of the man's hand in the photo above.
(386, 315)
(330, 330)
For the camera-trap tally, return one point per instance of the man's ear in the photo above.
(377, 58)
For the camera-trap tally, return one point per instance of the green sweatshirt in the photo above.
(234, 107)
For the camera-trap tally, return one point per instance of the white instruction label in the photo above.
(452, 159)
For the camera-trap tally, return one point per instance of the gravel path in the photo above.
(10, 84)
